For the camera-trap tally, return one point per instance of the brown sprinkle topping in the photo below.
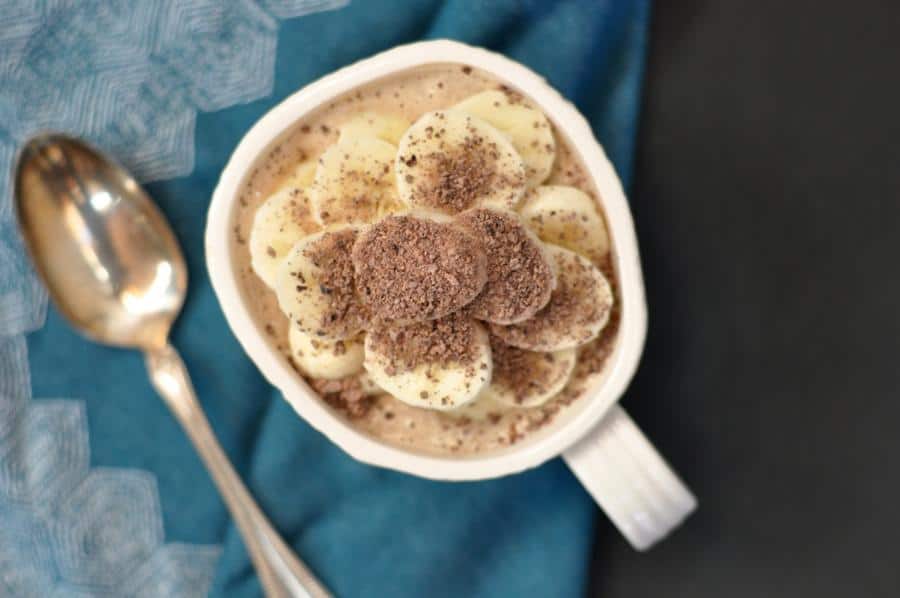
(345, 394)
(436, 342)
(571, 306)
(459, 174)
(520, 279)
(331, 254)
(524, 373)
(414, 269)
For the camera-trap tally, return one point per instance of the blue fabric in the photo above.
(365, 531)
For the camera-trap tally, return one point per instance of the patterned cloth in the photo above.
(100, 491)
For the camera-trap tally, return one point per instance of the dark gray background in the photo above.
(767, 203)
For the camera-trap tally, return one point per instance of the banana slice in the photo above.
(386, 127)
(282, 220)
(354, 182)
(525, 378)
(481, 408)
(527, 128)
(315, 287)
(304, 174)
(567, 217)
(520, 277)
(418, 266)
(366, 384)
(326, 359)
(440, 364)
(451, 161)
(578, 310)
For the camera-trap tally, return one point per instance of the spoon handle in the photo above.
(281, 574)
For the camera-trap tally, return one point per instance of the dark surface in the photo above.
(767, 202)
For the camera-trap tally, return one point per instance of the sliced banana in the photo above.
(578, 311)
(481, 408)
(282, 220)
(450, 161)
(322, 358)
(567, 217)
(418, 363)
(305, 174)
(315, 289)
(354, 182)
(520, 276)
(366, 384)
(525, 378)
(527, 128)
(417, 266)
(387, 127)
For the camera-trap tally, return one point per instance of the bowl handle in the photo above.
(630, 481)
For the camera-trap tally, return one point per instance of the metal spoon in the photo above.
(115, 271)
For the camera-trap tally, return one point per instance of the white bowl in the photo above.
(577, 420)
(568, 121)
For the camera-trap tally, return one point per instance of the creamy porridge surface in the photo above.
(480, 426)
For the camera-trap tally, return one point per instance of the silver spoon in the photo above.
(116, 273)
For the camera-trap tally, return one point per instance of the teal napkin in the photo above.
(364, 531)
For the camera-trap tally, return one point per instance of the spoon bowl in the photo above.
(111, 264)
